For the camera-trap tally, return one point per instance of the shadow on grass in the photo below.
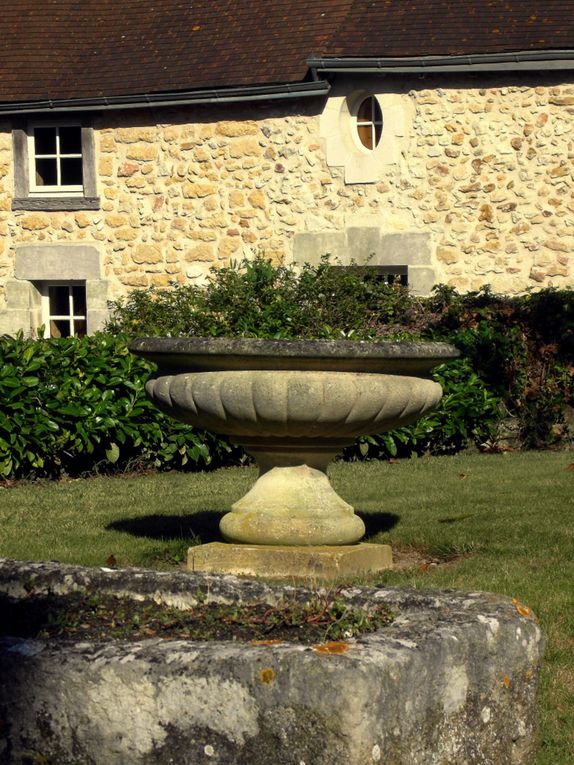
(376, 523)
(202, 527)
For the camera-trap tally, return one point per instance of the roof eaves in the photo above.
(179, 98)
(546, 60)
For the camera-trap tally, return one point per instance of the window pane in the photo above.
(366, 135)
(45, 140)
(365, 113)
(60, 328)
(71, 170)
(80, 328)
(71, 140)
(79, 297)
(369, 122)
(59, 301)
(46, 172)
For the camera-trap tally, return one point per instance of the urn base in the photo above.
(293, 506)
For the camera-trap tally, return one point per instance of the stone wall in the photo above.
(475, 185)
(484, 170)
(494, 182)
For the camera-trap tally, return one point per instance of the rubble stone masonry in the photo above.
(485, 171)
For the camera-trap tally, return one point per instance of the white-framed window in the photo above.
(369, 123)
(54, 166)
(64, 312)
(56, 160)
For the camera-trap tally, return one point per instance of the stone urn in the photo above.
(293, 405)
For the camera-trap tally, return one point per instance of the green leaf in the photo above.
(113, 453)
(75, 410)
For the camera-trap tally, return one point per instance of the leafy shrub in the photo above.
(467, 414)
(521, 349)
(258, 299)
(77, 406)
(72, 406)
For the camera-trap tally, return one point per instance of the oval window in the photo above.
(369, 122)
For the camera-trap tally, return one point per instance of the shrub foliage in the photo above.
(76, 406)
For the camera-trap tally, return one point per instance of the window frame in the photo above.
(72, 316)
(27, 195)
(58, 189)
(373, 123)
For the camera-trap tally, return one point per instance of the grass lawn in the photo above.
(505, 522)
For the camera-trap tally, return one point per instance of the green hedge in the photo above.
(520, 349)
(258, 299)
(78, 406)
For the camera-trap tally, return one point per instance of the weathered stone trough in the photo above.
(452, 681)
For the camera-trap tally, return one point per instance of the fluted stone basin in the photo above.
(293, 405)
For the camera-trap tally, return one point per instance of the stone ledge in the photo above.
(274, 562)
(452, 680)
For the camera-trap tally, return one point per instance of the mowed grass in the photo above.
(503, 523)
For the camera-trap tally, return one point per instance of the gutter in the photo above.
(548, 60)
(182, 98)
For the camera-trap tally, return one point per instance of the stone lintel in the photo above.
(410, 248)
(281, 562)
(310, 247)
(53, 262)
(363, 243)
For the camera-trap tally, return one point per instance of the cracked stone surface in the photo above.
(452, 680)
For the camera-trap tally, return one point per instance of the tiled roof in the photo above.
(62, 49)
(388, 28)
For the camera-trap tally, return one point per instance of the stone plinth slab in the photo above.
(275, 562)
(452, 680)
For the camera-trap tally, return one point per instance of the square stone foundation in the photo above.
(280, 562)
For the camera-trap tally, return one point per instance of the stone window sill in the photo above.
(56, 203)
